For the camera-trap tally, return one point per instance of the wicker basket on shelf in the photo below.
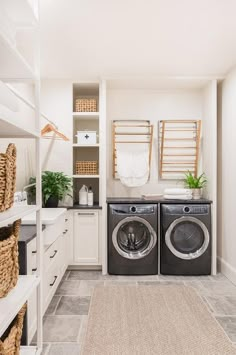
(11, 339)
(86, 105)
(7, 177)
(9, 265)
(86, 168)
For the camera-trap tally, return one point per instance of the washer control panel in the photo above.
(141, 209)
(138, 209)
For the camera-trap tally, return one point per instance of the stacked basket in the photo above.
(86, 167)
(85, 105)
(9, 264)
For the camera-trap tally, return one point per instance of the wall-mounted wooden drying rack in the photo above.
(179, 146)
(126, 132)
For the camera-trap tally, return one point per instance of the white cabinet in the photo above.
(86, 237)
(55, 263)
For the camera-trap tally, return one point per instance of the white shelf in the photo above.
(86, 145)
(12, 63)
(12, 303)
(85, 176)
(15, 213)
(28, 350)
(87, 115)
(9, 129)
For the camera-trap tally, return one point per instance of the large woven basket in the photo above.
(7, 177)
(86, 168)
(85, 105)
(9, 265)
(11, 339)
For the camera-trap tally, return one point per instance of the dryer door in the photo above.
(187, 238)
(134, 237)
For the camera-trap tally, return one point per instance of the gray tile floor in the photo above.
(66, 318)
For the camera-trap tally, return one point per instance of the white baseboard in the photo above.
(228, 270)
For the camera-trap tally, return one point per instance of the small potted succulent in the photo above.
(196, 184)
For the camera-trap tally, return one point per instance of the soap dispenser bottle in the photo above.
(90, 196)
(83, 195)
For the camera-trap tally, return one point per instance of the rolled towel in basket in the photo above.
(178, 197)
(177, 191)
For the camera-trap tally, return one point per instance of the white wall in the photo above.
(209, 156)
(153, 105)
(227, 176)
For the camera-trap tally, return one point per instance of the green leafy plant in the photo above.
(193, 182)
(54, 184)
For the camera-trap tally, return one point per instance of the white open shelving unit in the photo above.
(92, 121)
(86, 121)
(16, 68)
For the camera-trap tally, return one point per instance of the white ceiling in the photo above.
(87, 39)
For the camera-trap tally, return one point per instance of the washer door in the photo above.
(134, 238)
(187, 238)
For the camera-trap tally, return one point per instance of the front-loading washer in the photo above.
(132, 239)
(185, 239)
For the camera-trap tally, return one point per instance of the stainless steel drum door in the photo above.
(134, 237)
(187, 238)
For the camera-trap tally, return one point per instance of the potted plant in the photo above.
(196, 184)
(55, 186)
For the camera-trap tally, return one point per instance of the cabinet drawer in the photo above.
(67, 221)
(51, 281)
(31, 257)
(52, 253)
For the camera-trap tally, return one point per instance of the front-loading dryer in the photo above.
(185, 239)
(132, 239)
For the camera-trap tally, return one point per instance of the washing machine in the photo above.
(185, 239)
(132, 239)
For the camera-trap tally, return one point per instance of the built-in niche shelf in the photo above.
(86, 121)
(86, 176)
(87, 115)
(86, 145)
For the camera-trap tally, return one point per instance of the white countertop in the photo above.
(49, 216)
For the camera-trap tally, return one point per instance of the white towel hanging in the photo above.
(133, 167)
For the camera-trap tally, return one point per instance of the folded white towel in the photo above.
(178, 197)
(133, 167)
(177, 191)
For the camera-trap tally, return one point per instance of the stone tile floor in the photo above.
(66, 318)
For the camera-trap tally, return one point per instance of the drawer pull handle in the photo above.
(55, 279)
(52, 256)
(86, 214)
(66, 230)
(34, 252)
(66, 220)
(34, 269)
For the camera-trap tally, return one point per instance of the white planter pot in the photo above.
(197, 194)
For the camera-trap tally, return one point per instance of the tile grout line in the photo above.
(54, 312)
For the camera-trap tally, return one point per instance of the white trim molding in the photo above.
(226, 269)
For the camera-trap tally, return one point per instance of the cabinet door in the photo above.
(86, 237)
(32, 301)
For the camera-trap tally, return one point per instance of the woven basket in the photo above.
(85, 105)
(9, 265)
(86, 168)
(11, 339)
(7, 177)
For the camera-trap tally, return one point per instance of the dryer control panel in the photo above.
(187, 209)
